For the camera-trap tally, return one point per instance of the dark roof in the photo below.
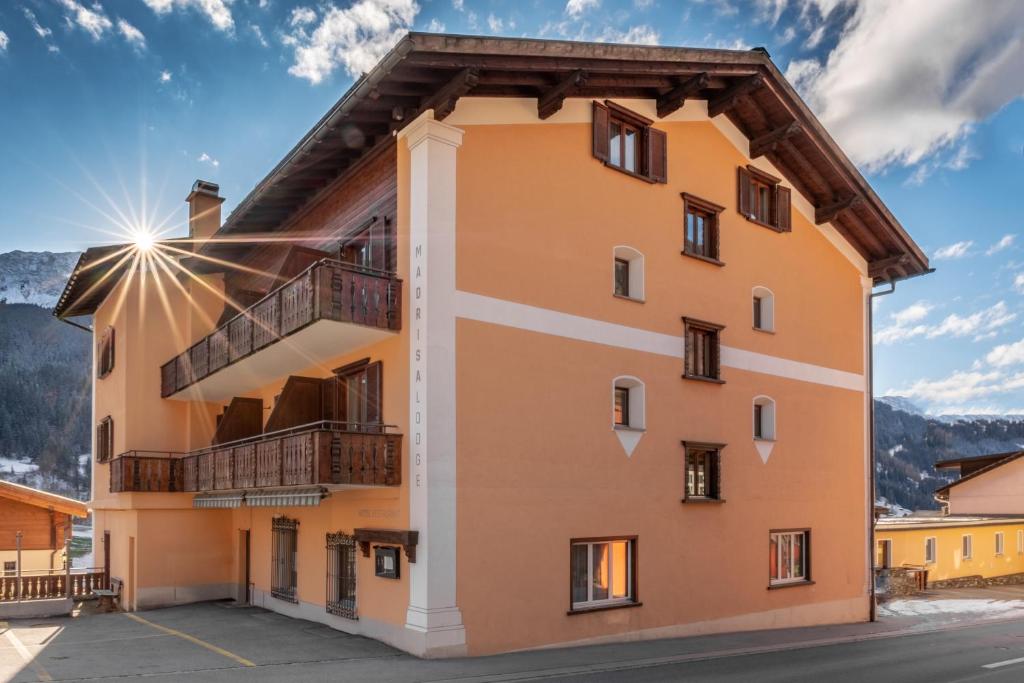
(969, 459)
(1006, 459)
(97, 272)
(430, 70)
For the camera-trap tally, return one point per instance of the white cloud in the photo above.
(909, 78)
(953, 251)
(635, 35)
(643, 4)
(459, 5)
(1018, 283)
(354, 38)
(1005, 242)
(4, 41)
(93, 21)
(207, 159)
(1006, 354)
(216, 11)
(40, 30)
(435, 26)
(908, 324)
(258, 33)
(302, 16)
(770, 10)
(575, 8)
(961, 386)
(165, 76)
(495, 23)
(131, 34)
(815, 38)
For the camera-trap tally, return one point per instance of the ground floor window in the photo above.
(283, 578)
(603, 572)
(930, 549)
(10, 568)
(966, 546)
(341, 575)
(788, 557)
(884, 559)
(1000, 545)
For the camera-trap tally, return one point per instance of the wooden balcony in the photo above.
(322, 453)
(328, 309)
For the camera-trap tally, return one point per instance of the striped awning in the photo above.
(285, 498)
(218, 500)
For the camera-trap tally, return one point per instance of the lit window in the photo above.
(703, 472)
(764, 309)
(628, 273)
(764, 418)
(602, 573)
(788, 555)
(627, 403)
(621, 406)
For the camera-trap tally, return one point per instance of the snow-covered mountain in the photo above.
(34, 277)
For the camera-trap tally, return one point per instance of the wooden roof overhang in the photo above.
(43, 499)
(97, 272)
(432, 71)
(943, 491)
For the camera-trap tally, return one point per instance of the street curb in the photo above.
(651, 662)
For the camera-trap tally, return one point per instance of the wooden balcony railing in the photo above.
(327, 290)
(45, 584)
(144, 471)
(316, 453)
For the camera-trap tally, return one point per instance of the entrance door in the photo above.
(244, 557)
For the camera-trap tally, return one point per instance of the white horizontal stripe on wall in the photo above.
(487, 309)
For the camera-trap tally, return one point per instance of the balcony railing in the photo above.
(51, 583)
(317, 453)
(327, 290)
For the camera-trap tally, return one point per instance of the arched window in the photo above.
(764, 309)
(764, 419)
(628, 273)
(628, 403)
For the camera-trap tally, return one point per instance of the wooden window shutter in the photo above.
(657, 155)
(743, 192)
(329, 399)
(374, 392)
(784, 207)
(601, 142)
(105, 353)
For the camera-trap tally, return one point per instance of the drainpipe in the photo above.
(17, 573)
(871, 437)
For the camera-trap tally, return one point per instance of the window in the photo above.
(702, 349)
(627, 403)
(930, 547)
(700, 228)
(105, 439)
(369, 246)
(764, 309)
(283, 578)
(884, 559)
(10, 568)
(603, 572)
(354, 395)
(703, 472)
(763, 200)
(1020, 541)
(789, 556)
(628, 273)
(999, 543)
(764, 418)
(105, 353)
(341, 575)
(626, 141)
(965, 547)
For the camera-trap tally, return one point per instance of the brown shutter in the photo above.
(743, 192)
(657, 151)
(601, 141)
(329, 399)
(374, 392)
(783, 205)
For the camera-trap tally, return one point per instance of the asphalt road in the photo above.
(981, 653)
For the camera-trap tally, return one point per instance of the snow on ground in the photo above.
(14, 466)
(977, 607)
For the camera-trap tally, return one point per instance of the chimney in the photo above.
(203, 209)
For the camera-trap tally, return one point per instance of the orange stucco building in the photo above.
(525, 343)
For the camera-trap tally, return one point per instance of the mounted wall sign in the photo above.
(385, 561)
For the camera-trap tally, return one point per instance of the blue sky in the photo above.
(111, 109)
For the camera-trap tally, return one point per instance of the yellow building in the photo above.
(952, 547)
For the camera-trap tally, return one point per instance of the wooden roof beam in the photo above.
(726, 100)
(880, 269)
(828, 212)
(763, 144)
(551, 100)
(443, 102)
(677, 96)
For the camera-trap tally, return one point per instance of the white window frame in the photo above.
(778, 535)
(931, 543)
(1020, 541)
(635, 258)
(767, 308)
(1000, 543)
(966, 546)
(637, 402)
(590, 603)
(767, 404)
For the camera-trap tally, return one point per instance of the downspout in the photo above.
(871, 441)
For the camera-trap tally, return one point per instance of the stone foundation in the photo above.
(978, 581)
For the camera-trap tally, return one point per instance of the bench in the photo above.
(108, 598)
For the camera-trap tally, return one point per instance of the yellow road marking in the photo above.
(192, 639)
(41, 673)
